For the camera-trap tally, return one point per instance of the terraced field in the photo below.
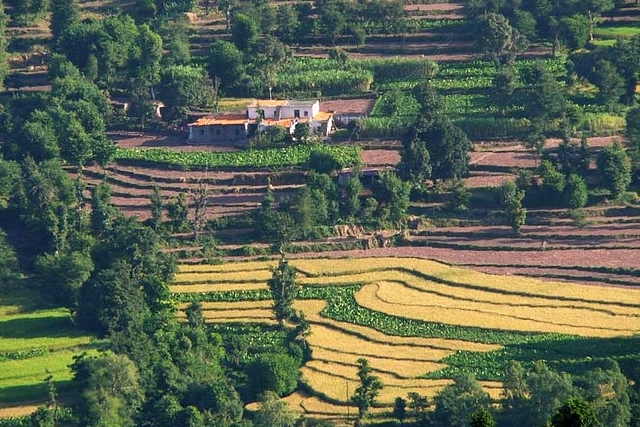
(34, 343)
(418, 321)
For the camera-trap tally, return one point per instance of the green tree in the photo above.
(8, 259)
(415, 161)
(607, 390)
(350, 204)
(61, 275)
(609, 82)
(575, 413)
(455, 404)
(64, 15)
(178, 213)
(184, 87)
(575, 192)
(102, 211)
(392, 195)
(499, 41)
(288, 29)
(38, 137)
(553, 181)
(503, 86)
(546, 100)
(615, 169)
(110, 387)
(225, 62)
(244, 30)
(447, 146)
(400, 409)
(511, 201)
(574, 30)
(368, 389)
(632, 129)
(275, 372)
(283, 290)
(274, 412)
(4, 44)
(156, 207)
(418, 406)
(482, 418)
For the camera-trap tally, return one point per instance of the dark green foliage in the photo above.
(184, 87)
(244, 30)
(607, 390)
(323, 162)
(283, 290)
(61, 276)
(102, 212)
(633, 124)
(575, 413)
(456, 403)
(482, 418)
(575, 192)
(575, 30)
(415, 163)
(111, 301)
(615, 169)
(350, 203)
(546, 100)
(276, 372)
(498, 40)
(64, 15)
(574, 157)
(400, 409)
(156, 208)
(110, 389)
(368, 389)
(392, 197)
(511, 200)
(553, 182)
(532, 398)
(503, 87)
(225, 62)
(609, 82)
(460, 197)
(178, 213)
(447, 147)
(8, 259)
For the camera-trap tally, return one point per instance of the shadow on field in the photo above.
(53, 326)
(31, 392)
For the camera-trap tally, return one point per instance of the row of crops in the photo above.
(294, 155)
(331, 77)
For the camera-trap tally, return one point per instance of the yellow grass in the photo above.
(229, 267)
(315, 407)
(395, 299)
(224, 277)
(401, 367)
(19, 411)
(463, 276)
(217, 287)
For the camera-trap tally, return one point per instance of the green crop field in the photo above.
(35, 343)
(420, 321)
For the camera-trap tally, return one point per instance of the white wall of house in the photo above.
(269, 112)
(289, 111)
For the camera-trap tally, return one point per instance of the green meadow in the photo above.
(35, 341)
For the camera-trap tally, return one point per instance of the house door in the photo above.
(296, 114)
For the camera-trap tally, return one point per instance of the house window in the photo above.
(218, 131)
(296, 114)
(201, 131)
(306, 114)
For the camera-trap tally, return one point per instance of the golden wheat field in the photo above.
(412, 289)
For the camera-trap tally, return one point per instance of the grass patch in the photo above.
(616, 32)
